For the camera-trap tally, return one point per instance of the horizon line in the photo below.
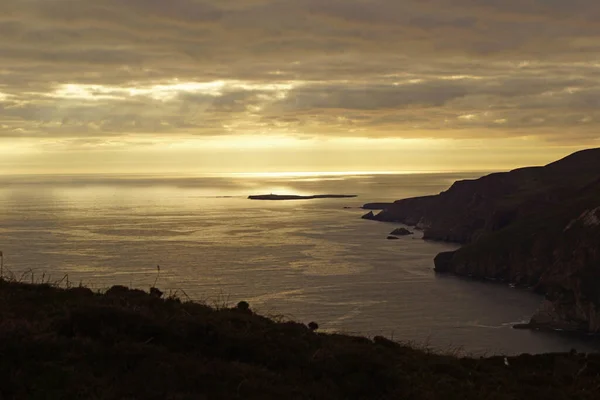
(283, 174)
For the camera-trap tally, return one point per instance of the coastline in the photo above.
(533, 226)
(200, 241)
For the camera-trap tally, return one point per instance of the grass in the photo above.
(128, 344)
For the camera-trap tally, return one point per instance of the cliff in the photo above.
(471, 209)
(556, 251)
(128, 344)
(537, 227)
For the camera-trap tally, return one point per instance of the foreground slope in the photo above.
(76, 344)
(537, 227)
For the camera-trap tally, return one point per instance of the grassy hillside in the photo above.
(127, 344)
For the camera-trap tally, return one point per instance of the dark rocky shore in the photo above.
(129, 344)
(535, 227)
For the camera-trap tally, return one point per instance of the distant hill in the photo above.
(536, 226)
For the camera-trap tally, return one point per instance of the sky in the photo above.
(190, 86)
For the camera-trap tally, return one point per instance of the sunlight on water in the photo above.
(308, 260)
(317, 174)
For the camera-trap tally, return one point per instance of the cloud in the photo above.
(87, 70)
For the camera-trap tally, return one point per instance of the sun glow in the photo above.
(17, 148)
(317, 174)
(166, 91)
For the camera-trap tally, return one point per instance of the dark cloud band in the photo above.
(379, 68)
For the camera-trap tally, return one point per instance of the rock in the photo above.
(401, 232)
(443, 261)
(369, 215)
(392, 238)
(560, 312)
(376, 206)
(124, 292)
(243, 306)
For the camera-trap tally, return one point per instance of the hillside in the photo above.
(472, 208)
(127, 344)
(537, 227)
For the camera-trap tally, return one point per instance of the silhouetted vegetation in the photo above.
(129, 344)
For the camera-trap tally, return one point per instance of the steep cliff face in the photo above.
(536, 227)
(556, 251)
(572, 281)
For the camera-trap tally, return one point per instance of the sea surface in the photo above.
(307, 260)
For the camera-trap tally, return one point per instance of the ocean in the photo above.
(306, 260)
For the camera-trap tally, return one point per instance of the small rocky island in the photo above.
(298, 197)
(401, 232)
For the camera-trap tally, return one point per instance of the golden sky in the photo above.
(295, 85)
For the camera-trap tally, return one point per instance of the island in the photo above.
(401, 232)
(298, 197)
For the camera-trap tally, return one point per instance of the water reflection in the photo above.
(309, 260)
